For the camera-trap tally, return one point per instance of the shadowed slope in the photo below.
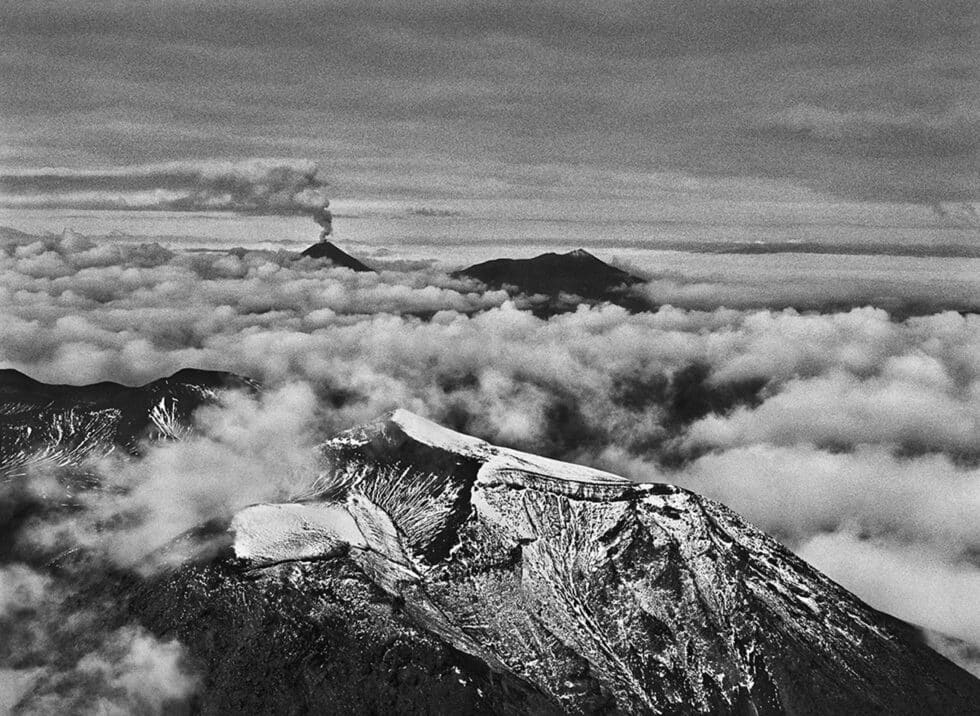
(62, 424)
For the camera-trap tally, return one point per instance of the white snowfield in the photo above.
(267, 534)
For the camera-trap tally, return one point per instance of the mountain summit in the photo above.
(576, 273)
(336, 256)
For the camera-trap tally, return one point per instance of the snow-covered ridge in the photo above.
(272, 533)
(267, 534)
(434, 435)
(497, 460)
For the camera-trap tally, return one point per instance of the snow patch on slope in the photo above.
(434, 435)
(272, 533)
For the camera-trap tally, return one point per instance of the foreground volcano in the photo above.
(426, 571)
(591, 593)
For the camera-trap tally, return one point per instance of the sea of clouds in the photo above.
(851, 435)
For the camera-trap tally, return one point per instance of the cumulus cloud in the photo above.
(131, 672)
(849, 425)
(261, 186)
(916, 409)
(907, 581)
(59, 657)
(801, 491)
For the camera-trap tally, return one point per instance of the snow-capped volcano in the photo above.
(597, 593)
(427, 571)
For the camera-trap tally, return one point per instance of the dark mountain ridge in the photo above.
(19, 387)
(65, 423)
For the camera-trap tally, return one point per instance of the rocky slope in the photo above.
(426, 571)
(60, 425)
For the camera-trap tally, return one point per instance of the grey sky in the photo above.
(868, 100)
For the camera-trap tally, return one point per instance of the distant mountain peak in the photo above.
(336, 256)
(553, 275)
(41, 422)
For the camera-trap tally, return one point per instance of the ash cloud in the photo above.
(846, 427)
(258, 186)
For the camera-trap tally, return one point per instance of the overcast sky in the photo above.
(869, 100)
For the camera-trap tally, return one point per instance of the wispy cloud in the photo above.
(262, 186)
(868, 100)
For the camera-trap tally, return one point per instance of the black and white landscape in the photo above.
(638, 375)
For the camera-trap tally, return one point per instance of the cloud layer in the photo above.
(255, 186)
(850, 435)
(866, 100)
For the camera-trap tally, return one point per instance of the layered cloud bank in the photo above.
(865, 100)
(850, 435)
(264, 186)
